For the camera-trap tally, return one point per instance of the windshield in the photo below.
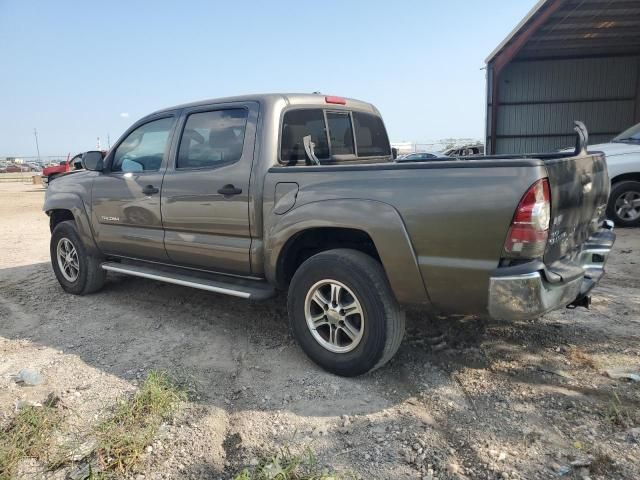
(631, 135)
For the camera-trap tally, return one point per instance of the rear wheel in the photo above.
(343, 313)
(77, 271)
(624, 204)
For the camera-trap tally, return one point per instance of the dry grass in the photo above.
(619, 414)
(123, 437)
(579, 357)
(284, 465)
(603, 465)
(29, 435)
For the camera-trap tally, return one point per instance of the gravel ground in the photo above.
(462, 399)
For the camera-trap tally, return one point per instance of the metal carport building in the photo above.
(566, 60)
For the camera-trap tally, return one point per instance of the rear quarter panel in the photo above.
(455, 214)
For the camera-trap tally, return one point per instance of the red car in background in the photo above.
(49, 173)
(16, 169)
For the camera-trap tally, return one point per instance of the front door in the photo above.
(126, 196)
(205, 194)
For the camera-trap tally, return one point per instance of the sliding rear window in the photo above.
(340, 133)
(296, 125)
(337, 135)
(371, 136)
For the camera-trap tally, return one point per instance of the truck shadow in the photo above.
(240, 353)
(238, 356)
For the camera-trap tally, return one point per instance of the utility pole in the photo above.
(35, 133)
(108, 142)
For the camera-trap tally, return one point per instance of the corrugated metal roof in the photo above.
(576, 27)
(517, 29)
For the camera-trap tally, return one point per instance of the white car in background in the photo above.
(623, 163)
(422, 157)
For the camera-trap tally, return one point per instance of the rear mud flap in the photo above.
(582, 301)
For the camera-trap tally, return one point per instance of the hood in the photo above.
(65, 175)
(612, 149)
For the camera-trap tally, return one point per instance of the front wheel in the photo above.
(624, 204)
(343, 313)
(77, 271)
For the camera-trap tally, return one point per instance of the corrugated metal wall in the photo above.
(540, 99)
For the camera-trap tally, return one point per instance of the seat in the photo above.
(227, 142)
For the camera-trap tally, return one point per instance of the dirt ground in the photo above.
(462, 399)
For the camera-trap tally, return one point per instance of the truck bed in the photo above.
(457, 212)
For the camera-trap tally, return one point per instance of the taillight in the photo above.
(529, 229)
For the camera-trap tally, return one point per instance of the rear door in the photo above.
(205, 194)
(126, 196)
(579, 191)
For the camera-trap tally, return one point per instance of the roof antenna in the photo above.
(317, 93)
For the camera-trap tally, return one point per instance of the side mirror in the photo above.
(93, 160)
(394, 152)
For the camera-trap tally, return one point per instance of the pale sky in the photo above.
(79, 70)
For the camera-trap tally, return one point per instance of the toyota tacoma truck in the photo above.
(248, 196)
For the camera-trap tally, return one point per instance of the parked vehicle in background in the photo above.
(248, 195)
(421, 157)
(465, 150)
(14, 168)
(623, 163)
(51, 172)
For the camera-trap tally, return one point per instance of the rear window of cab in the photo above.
(338, 135)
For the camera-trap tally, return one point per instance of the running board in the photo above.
(236, 287)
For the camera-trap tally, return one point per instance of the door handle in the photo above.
(150, 189)
(229, 190)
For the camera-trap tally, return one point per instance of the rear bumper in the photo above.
(529, 294)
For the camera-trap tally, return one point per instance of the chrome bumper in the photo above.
(529, 295)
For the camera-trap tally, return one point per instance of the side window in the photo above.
(371, 136)
(296, 125)
(340, 133)
(212, 138)
(144, 148)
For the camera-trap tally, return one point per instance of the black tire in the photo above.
(383, 321)
(617, 191)
(90, 277)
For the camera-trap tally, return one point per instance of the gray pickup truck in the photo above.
(247, 196)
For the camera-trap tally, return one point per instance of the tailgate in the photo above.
(579, 192)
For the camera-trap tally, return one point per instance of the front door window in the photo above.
(144, 148)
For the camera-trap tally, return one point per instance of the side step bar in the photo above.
(236, 287)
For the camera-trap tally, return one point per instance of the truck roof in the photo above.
(270, 98)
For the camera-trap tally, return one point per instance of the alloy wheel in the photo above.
(628, 206)
(334, 316)
(67, 257)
